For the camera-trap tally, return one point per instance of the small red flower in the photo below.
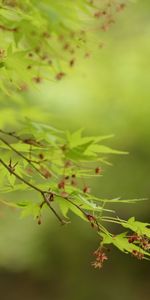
(133, 238)
(86, 189)
(60, 75)
(100, 258)
(98, 170)
(37, 79)
(64, 194)
(73, 182)
(41, 156)
(138, 254)
(46, 173)
(120, 7)
(61, 184)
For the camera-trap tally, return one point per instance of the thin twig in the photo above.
(11, 134)
(19, 177)
(46, 200)
(22, 156)
(33, 187)
(53, 210)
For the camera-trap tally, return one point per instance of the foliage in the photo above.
(57, 165)
(40, 41)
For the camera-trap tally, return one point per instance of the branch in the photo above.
(19, 177)
(90, 218)
(46, 200)
(11, 134)
(21, 155)
(34, 188)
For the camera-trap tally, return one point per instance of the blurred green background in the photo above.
(108, 93)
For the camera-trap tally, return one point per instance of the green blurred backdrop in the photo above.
(108, 93)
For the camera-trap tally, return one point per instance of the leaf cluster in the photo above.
(57, 165)
(41, 40)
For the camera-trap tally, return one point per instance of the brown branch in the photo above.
(22, 156)
(47, 201)
(90, 218)
(2, 27)
(34, 188)
(11, 134)
(19, 177)
(25, 141)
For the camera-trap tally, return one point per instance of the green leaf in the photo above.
(30, 209)
(95, 148)
(121, 242)
(139, 227)
(63, 206)
(8, 203)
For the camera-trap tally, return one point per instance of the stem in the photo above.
(117, 219)
(100, 227)
(43, 193)
(19, 177)
(35, 188)
(21, 155)
(52, 209)
(11, 134)
(111, 221)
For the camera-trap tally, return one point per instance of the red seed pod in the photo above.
(44, 57)
(87, 55)
(41, 156)
(133, 238)
(23, 87)
(98, 14)
(46, 173)
(86, 189)
(29, 67)
(98, 170)
(73, 182)
(39, 220)
(120, 7)
(51, 197)
(37, 79)
(61, 184)
(46, 35)
(100, 258)
(104, 12)
(64, 148)
(66, 46)
(37, 49)
(29, 171)
(30, 54)
(32, 142)
(105, 26)
(72, 62)
(68, 163)
(138, 254)
(60, 75)
(145, 243)
(91, 218)
(64, 194)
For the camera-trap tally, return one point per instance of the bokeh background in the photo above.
(109, 93)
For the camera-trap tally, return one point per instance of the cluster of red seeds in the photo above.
(107, 13)
(72, 179)
(100, 258)
(68, 43)
(142, 242)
